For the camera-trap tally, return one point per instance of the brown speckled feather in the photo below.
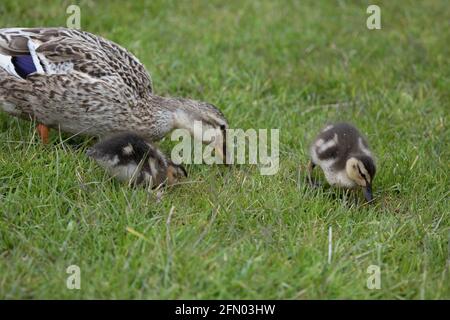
(90, 54)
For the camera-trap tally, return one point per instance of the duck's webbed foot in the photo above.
(43, 132)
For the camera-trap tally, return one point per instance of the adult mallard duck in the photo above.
(81, 83)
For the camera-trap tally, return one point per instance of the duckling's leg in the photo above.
(43, 132)
(310, 169)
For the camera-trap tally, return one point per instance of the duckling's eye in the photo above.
(362, 174)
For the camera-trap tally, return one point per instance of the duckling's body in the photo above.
(344, 156)
(129, 158)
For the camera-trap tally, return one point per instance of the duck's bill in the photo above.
(221, 147)
(368, 193)
(222, 153)
(224, 145)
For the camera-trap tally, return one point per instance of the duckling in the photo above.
(129, 158)
(345, 158)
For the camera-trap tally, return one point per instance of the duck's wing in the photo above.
(62, 51)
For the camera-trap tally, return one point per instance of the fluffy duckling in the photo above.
(129, 158)
(345, 158)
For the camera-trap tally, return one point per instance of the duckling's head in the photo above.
(361, 170)
(175, 173)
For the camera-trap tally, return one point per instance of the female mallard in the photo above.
(84, 84)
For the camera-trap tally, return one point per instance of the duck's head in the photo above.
(199, 116)
(361, 170)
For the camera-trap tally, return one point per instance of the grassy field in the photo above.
(233, 233)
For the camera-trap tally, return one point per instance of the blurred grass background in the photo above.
(292, 65)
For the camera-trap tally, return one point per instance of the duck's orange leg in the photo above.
(43, 131)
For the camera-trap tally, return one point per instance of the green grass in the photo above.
(292, 65)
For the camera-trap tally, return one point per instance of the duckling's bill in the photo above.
(367, 190)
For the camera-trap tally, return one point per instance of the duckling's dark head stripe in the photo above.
(368, 164)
